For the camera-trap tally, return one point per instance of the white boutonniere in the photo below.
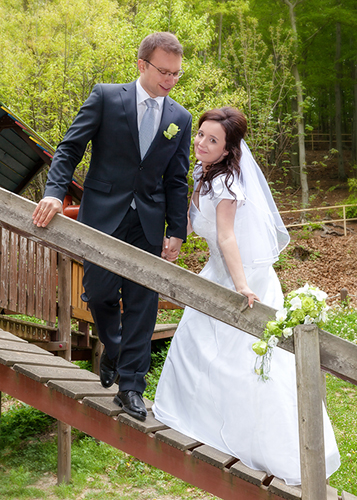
(171, 131)
(306, 305)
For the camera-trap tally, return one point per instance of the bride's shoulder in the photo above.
(232, 188)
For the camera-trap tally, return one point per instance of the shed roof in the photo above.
(23, 154)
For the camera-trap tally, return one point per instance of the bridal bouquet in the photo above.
(306, 305)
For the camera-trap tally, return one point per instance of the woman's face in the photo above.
(210, 143)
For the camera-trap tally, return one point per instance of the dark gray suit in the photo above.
(116, 175)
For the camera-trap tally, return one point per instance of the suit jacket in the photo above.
(116, 174)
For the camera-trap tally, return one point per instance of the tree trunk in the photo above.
(354, 129)
(300, 116)
(338, 104)
(294, 154)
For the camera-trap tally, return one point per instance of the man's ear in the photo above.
(141, 65)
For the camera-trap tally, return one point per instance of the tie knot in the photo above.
(150, 103)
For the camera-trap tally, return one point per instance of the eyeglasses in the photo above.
(177, 74)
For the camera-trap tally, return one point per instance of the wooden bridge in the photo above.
(75, 397)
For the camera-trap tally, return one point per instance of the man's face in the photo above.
(152, 80)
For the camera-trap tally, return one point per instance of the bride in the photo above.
(208, 388)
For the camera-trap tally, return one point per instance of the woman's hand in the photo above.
(248, 293)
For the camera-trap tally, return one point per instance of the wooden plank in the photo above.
(309, 396)
(13, 284)
(332, 493)
(39, 281)
(170, 280)
(22, 280)
(64, 308)
(46, 284)
(103, 404)
(81, 389)
(213, 456)
(81, 314)
(4, 268)
(9, 336)
(45, 373)
(348, 496)
(177, 440)
(75, 290)
(8, 345)
(10, 358)
(164, 333)
(149, 425)
(31, 250)
(252, 476)
(53, 287)
(283, 490)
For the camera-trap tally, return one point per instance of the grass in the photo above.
(28, 448)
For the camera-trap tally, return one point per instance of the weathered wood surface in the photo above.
(252, 476)
(27, 276)
(177, 440)
(45, 373)
(338, 356)
(309, 395)
(213, 456)
(150, 441)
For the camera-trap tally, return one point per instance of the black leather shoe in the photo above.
(132, 403)
(108, 370)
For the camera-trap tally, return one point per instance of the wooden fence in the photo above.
(314, 348)
(323, 141)
(342, 219)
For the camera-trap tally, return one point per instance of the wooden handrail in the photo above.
(338, 356)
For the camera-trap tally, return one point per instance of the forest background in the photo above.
(290, 66)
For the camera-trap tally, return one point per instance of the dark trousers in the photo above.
(133, 329)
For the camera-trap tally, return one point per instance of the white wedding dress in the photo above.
(208, 388)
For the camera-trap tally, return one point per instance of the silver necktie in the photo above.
(146, 132)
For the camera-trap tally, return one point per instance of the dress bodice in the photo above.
(203, 220)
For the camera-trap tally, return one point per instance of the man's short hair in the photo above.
(163, 40)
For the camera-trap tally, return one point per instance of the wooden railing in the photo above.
(319, 140)
(343, 219)
(313, 348)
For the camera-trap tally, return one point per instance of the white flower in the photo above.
(287, 332)
(273, 341)
(295, 303)
(281, 315)
(319, 294)
(308, 320)
(304, 289)
(323, 315)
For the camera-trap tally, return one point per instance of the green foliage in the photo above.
(351, 212)
(342, 321)
(157, 363)
(20, 423)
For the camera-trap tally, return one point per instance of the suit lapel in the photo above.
(128, 94)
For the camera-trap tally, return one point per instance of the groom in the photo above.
(136, 181)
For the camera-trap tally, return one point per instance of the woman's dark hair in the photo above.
(234, 124)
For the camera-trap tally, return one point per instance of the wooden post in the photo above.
(309, 394)
(64, 335)
(344, 294)
(63, 453)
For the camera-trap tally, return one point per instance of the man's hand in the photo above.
(45, 211)
(171, 248)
